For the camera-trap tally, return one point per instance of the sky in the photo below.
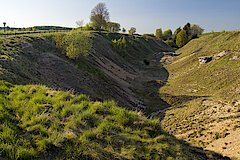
(145, 15)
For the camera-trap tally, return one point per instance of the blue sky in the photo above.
(145, 15)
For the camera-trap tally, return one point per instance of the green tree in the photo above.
(77, 44)
(99, 15)
(182, 38)
(132, 30)
(113, 27)
(175, 33)
(196, 30)
(159, 33)
(167, 34)
(187, 28)
(123, 30)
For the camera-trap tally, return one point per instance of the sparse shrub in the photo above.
(132, 31)
(120, 45)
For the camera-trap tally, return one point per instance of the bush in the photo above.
(77, 44)
(74, 44)
(120, 44)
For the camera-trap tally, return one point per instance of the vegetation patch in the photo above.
(39, 122)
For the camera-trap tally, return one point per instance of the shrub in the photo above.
(74, 44)
(77, 44)
(132, 30)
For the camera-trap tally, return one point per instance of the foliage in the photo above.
(123, 30)
(187, 28)
(99, 15)
(182, 38)
(167, 34)
(74, 44)
(149, 35)
(159, 33)
(175, 33)
(196, 30)
(120, 44)
(88, 27)
(132, 30)
(40, 123)
(113, 27)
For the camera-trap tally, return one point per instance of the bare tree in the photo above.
(80, 23)
(99, 15)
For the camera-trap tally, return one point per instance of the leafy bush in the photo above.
(120, 44)
(74, 44)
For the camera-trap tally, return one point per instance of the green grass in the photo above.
(215, 78)
(38, 122)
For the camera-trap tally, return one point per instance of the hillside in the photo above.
(205, 94)
(44, 114)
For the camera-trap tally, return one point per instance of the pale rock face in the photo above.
(203, 60)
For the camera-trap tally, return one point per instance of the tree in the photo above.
(187, 28)
(182, 38)
(113, 27)
(196, 30)
(132, 30)
(123, 30)
(99, 15)
(175, 33)
(159, 33)
(167, 34)
(79, 23)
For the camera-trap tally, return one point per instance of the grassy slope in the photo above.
(33, 59)
(39, 122)
(205, 96)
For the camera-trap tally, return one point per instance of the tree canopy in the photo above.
(167, 34)
(182, 38)
(159, 33)
(113, 27)
(99, 15)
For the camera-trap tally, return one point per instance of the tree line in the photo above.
(180, 37)
(100, 20)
